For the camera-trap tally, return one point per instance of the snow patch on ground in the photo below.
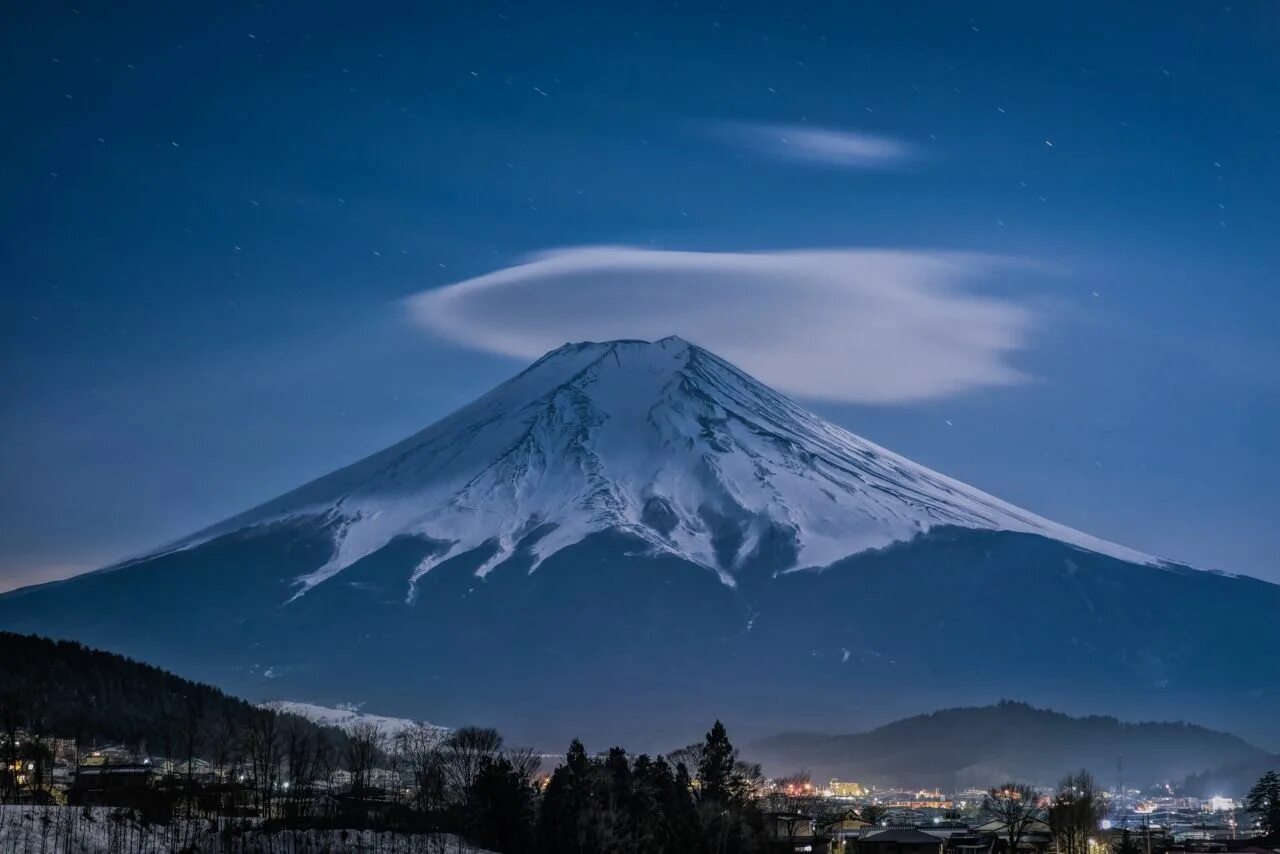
(102, 830)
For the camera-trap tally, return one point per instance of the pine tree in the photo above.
(617, 831)
(680, 809)
(562, 822)
(1263, 801)
(499, 807)
(730, 819)
(716, 783)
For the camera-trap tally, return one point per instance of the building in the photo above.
(843, 830)
(123, 785)
(969, 843)
(789, 831)
(897, 840)
(845, 789)
(1036, 837)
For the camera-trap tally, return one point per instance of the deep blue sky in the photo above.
(213, 211)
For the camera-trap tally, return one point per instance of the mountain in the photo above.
(629, 539)
(77, 692)
(1232, 779)
(346, 718)
(661, 441)
(984, 746)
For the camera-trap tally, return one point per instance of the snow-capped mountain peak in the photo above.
(662, 440)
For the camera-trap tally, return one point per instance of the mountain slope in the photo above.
(347, 719)
(987, 745)
(628, 540)
(661, 440)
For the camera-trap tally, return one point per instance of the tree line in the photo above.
(466, 783)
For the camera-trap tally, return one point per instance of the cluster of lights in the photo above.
(797, 789)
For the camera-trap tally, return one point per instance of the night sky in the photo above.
(1032, 245)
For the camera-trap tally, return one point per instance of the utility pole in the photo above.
(1120, 783)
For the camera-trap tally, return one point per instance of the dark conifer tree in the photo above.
(1263, 801)
(716, 784)
(562, 822)
(675, 794)
(499, 808)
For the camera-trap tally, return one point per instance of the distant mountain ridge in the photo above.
(983, 746)
(628, 539)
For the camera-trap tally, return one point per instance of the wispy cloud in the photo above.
(871, 326)
(825, 146)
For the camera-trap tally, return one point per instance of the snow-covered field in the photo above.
(73, 830)
(346, 717)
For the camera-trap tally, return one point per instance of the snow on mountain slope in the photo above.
(345, 718)
(663, 440)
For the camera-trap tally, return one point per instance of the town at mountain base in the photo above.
(201, 771)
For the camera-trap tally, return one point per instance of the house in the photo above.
(843, 829)
(789, 831)
(196, 768)
(897, 840)
(846, 823)
(108, 756)
(969, 843)
(123, 785)
(1153, 839)
(1036, 837)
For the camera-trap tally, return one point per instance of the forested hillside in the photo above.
(65, 689)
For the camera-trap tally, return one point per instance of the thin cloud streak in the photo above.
(855, 325)
(824, 146)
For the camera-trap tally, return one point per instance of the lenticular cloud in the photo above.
(818, 145)
(856, 325)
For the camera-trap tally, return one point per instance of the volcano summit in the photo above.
(663, 441)
(629, 536)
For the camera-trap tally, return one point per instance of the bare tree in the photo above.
(792, 801)
(690, 756)
(10, 723)
(223, 744)
(1075, 813)
(36, 751)
(192, 720)
(1016, 807)
(364, 748)
(306, 759)
(872, 813)
(792, 792)
(262, 751)
(464, 753)
(418, 751)
(523, 761)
